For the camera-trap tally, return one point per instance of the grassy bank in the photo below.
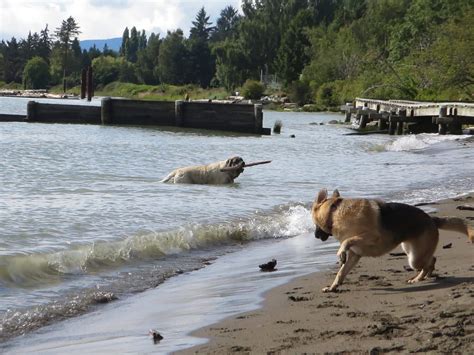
(151, 92)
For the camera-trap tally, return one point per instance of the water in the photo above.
(83, 214)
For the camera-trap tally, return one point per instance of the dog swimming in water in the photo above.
(367, 227)
(208, 174)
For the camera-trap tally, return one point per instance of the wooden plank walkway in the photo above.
(404, 116)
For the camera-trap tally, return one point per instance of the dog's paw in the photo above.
(329, 289)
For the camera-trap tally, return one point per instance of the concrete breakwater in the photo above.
(235, 117)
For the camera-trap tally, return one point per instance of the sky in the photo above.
(103, 19)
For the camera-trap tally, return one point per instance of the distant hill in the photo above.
(112, 43)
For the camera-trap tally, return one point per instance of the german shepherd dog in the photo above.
(366, 227)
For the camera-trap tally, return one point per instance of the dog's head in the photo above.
(322, 210)
(237, 163)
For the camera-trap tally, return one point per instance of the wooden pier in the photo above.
(403, 116)
(235, 117)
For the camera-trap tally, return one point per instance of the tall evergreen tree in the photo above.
(44, 45)
(142, 41)
(226, 24)
(69, 29)
(125, 38)
(202, 62)
(132, 45)
(201, 26)
(147, 61)
(173, 60)
(292, 54)
(13, 63)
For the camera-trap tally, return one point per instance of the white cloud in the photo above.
(104, 18)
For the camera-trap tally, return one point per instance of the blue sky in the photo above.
(101, 19)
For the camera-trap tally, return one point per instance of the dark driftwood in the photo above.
(364, 133)
(465, 207)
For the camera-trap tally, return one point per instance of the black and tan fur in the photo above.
(366, 227)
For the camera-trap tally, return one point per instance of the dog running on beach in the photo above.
(366, 227)
(221, 172)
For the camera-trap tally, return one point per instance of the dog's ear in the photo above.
(322, 195)
(336, 194)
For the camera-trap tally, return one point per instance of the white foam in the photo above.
(420, 141)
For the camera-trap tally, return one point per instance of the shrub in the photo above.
(327, 95)
(36, 73)
(252, 89)
(299, 92)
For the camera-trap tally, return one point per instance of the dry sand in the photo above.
(375, 311)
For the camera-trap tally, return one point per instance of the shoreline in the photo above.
(375, 311)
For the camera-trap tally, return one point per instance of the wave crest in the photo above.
(33, 269)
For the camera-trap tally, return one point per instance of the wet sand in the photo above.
(375, 311)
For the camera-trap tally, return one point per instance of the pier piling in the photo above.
(411, 116)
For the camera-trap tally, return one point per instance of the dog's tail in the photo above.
(455, 224)
(168, 178)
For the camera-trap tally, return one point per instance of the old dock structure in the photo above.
(403, 116)
(235, 117)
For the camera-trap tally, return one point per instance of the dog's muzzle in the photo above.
(320, 234)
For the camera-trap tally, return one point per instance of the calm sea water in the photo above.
(83, 214)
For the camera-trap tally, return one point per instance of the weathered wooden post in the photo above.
(31, 111)
(455, 126)
(382, 124)
(90, 89)
(392, 123)
(83, 83)
(348, 114)
(179, 113)
(258, 115)
(402, 114)
(106, 111)
(442, 127)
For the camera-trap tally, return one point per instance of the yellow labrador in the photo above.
(221, 172)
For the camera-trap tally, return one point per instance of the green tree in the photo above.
(106, 70)
(226, 25)
(173, 59)
(230, 64)
(147, 61)
(131, 46)
(36, 74)
(69, 29)
(201, 60)
(12, 61)
(292, 54)
(44, 45)
(2, 65)
(125, 38)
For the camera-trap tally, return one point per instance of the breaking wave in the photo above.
(32, 270)
(420, 141)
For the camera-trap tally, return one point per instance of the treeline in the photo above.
(323, 51)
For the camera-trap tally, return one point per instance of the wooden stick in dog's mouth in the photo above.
(230, 168)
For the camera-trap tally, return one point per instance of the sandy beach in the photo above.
(375, 311)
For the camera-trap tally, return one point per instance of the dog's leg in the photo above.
(420, 252)
(424, 273)
(351, 260)
(356, 244)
